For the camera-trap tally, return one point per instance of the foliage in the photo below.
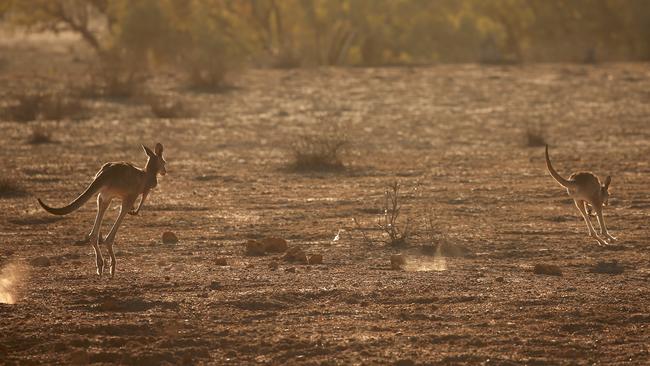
(331, 32)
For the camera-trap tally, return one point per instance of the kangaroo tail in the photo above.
(79, 201)
(558, 178)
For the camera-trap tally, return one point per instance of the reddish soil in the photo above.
(452, 135)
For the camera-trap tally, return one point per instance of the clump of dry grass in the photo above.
(321, 151)
(535, 136)
(23, 108)
(39, 136)
(10, 187)
(163, 107)
(58, 106)
(49, 106)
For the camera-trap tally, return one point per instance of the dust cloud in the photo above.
(11, 277)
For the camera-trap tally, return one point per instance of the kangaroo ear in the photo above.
(158, 149)
(148, 151)
(608, 180)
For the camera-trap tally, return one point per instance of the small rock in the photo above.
(315, 259)
(41, 261)
(273, 266)
(169, 237)
(274, 245)
(221, 262)
(290, 270)
(499, 279)
(397, 261)
(255, 248)
(547, 269)
(295, 255)
(215, 285)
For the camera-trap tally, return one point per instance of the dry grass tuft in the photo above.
(39, 136)
(535, 136)
(163, 107)
(10, 187)
(319, 151)
(48, 106)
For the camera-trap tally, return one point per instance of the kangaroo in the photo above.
(588, 193)
(116, 180)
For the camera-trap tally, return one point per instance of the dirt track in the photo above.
(454, 132)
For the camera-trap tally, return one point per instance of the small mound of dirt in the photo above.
(295, 255)
(169, 237)
(255, 248)
(397, 261)
(547, 269)
(612, 267)
(315, 259)
(221, 262)
(274, 245)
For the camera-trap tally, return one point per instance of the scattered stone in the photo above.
(295, 255)
(274, 245)
(215, 285)
(169, 237)
(499, 279)
(221, 262)
(41, 261)
(397, 261)
(273, 266)
(608, 267)
(547, 269)
(255, 248)
(315, 259)
(290, 270)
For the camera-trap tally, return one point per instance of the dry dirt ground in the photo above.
(452, 135)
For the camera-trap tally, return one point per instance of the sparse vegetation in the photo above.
(535, 135)
(10, 187)
(39, 136)
(112, 77)
(319, 151)
(163, 107)
(397, 233)
(49, 106)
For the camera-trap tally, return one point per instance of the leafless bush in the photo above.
(397, 233)
(10, 187)
(535, 135)
(39, 136)
(163, 107)
(50, 106)
(319, 151)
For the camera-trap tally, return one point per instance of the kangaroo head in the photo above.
(604, 191)
(156, 160)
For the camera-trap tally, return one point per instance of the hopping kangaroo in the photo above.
(586, 190)
(116, 180)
